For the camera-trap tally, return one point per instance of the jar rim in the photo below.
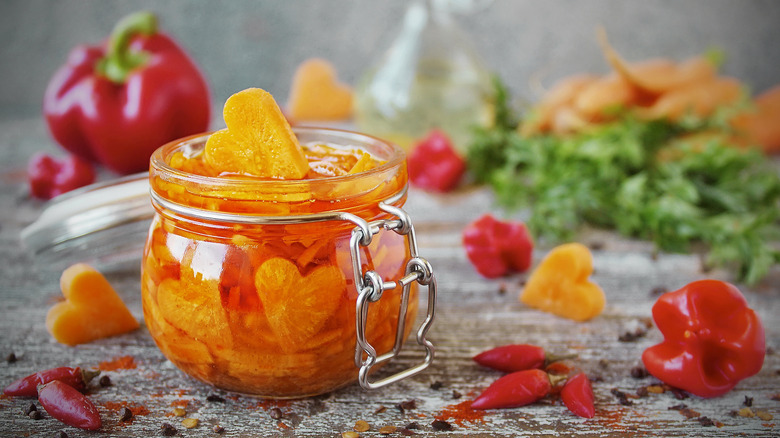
(395, 157)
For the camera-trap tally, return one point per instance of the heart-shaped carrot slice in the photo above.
(258, 140)
(91, 310)
(297, 306)
(560, 284)
(316, 94)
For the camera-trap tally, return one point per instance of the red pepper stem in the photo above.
(119, 61)
(88, 375)
(555, 379)
(550, 358)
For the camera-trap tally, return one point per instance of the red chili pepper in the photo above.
(712, 339)
(511, 358)
(66, 404)
(115, 105)
(517, 389)
(434, 165)
(577, 395)
(28, 386)
(49, 177)
(497, 248)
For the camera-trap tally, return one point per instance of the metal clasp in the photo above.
(371, 286)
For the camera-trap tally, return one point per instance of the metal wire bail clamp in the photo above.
(371, 287)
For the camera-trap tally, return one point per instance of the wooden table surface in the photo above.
(473, 314)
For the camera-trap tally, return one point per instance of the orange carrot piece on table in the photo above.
(92, 309)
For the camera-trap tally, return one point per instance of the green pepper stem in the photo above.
(119, 61)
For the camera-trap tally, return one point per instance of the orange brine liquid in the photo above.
(269, 308)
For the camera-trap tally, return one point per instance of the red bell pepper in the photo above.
(712, 339)
(434, 165)
(116, 104)
(497, 248)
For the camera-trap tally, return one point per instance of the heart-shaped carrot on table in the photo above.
(316, 94)
(298, 306)
(560, 284)
(258, 140)
(92, 309)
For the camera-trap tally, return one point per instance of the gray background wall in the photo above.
(242, 43)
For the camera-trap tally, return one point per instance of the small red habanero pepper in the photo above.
(497, 248)
(71, 407)
(434, 165)
(115, 105)
(712, 339)
(72, 376)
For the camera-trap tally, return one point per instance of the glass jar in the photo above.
(283, 288)
(429, 78)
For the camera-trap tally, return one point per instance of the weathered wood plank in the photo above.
(473, 314)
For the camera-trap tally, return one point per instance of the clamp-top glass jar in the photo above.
(282, 288)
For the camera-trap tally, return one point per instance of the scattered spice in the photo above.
(639, 372)
(677, 407)
(35, 415)
(764, 415)
(361, 426)
(621, 396)
(406, 432)
(456, 395)
(413, 425)
(215, 398)
(642, 391)
(179, 412)
(655, 389)
(689, 413)
(459, 413)
(135, 409)
(596, 245)
(30, 408)
(746, 412)
(775, 397)
(706, 421)
(180, 403)
(168, 430)
(380, 409)
(748, 401)
(387, 430)
(62, 434)
(218, 429)
(658, 290)
(276, 413)
(604, 364)
(104, 381)
(190, 423)
(349, 434)
(118, 363)
(631, 336)
(125, 414)
(437, 385)
(441, 425)
(679, 394)
(407, 405)
(11, 358)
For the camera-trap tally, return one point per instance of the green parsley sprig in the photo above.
(641, 178)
